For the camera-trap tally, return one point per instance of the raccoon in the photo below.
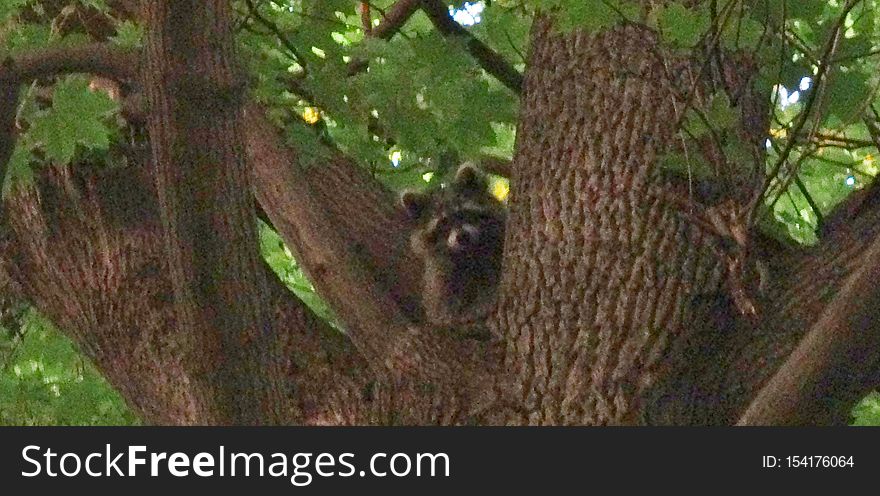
(459, 233)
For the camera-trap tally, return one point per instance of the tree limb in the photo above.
(366, 17)
(491, 61)
(192, 85)
(394, 19)
(352, 241)
(844, 338)
(8, 106)
(105, 283)
(496, 165)
(338, 195)
(271, 26)
(100, 59)
(94, 58)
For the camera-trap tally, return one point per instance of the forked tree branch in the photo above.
(375, 244)
(394, 19)
(351, 240)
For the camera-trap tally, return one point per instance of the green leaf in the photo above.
(789, 9)
(742, 34)
(696, 124)
(681, 26)
(505, 30)
(690, 166)
(18, 169)
(27, 38)
(867, 411)
(848, 93)
(129, 35)
(804, 9)
(720, 114)
(77, 117)
(47, 382)
(100, 5)
(739, 154)
(594, 15)
(9, 8)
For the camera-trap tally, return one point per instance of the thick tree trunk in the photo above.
(616, 306)
(602, 273)
(195, 92)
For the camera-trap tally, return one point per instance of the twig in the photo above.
(366, 18)
(823, 68)
(393, 20)
(271, 26)
(820, 220)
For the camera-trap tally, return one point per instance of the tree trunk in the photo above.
(195, 91)
(602, 273)
(616, 306)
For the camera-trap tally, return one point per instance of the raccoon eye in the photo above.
(462, 238)
(472, 231)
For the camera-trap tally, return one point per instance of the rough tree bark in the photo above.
(613, 308)
(601, 272)
(194, 91)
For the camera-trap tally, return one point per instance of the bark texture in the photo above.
(602, 271)
(87, 248)
(194, 91)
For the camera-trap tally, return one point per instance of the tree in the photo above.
(641, 283)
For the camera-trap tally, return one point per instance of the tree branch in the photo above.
(366, 17)
(95, 58)
(195, 93)
(492, 62)
(104, 282)
(393, 20)
(100, 59)
(843, 340)
(352, 241)
(496, 165)
(820, 82)
(8, 110)
(271, 26)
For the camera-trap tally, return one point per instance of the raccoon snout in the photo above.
(463, 237)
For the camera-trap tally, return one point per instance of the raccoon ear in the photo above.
(470, 179)
(414, 203)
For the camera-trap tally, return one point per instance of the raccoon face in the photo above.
(461, 220)
(460, 231)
